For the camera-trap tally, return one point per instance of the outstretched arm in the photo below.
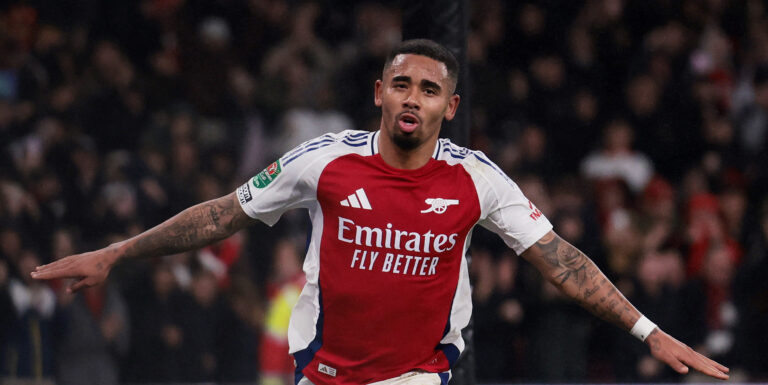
(579, 278)
(190, 229)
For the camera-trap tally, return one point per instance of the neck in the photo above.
(405, 159)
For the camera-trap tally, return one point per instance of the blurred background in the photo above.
(639, 127)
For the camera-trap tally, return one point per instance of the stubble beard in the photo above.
(406, 142)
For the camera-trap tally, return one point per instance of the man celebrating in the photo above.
(392, 212)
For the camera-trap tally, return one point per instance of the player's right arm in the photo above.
(195, 227)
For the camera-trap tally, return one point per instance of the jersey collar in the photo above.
(373, 143)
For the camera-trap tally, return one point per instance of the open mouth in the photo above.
(408, 122)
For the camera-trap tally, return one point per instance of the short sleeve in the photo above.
(504, 208)
(283, 185)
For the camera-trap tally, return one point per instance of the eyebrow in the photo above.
(401, 78)
(424, 82)
(430, 84)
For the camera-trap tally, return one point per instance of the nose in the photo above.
(411, 101)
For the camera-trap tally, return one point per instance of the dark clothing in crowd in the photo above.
(93, 338)
(115, 116)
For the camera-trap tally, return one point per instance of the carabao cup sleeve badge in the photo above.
(266, 176)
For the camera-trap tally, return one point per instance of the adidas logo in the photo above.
(325, 369)
(357, 200)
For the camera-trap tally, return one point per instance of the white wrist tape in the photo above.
(643, 327)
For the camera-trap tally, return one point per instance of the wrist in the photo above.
(642, 328)
(116, 252)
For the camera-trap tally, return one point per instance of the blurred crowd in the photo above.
(638, 127)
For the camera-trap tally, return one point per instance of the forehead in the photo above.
(417, 67)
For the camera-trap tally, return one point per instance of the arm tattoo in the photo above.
(214, 215)
(192, 228)
(570, 263)
(579, 278)
(575, 264)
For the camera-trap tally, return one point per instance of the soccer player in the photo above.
(392, 212)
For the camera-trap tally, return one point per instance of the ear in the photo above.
(453, 105)
(377, 90)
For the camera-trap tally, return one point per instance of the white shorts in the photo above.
(410, 378)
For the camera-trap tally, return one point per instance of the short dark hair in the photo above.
(430, 49)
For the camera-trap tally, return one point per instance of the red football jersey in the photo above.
(387, 285)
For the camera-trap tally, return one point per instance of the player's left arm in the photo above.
(579, 278)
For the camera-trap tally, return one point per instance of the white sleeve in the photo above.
(504, 208)
(289, 182)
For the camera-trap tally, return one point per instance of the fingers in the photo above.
(63, 268)
(678, 366)
(75, 287)
(679, 356)
(57, 271)
(712, 372)
(707, 366)
(56, 264)
(54, 272)
(683, 355)
(717, 365)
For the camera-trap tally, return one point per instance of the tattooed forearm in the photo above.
(579, 278)
(578, 273)
(214, 214)
(192, 228)
(569, 263)
(588, 292)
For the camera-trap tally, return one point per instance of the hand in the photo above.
(676, 354)
(87, 269)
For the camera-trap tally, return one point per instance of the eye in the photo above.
(431, 91)
(400, 85)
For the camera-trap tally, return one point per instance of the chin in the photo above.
(406, 141)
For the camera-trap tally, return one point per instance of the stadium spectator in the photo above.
(157, 313)
(241, 324)
(657, 288)
(490, 365)
(705, 230)
(618, 160)
(750, 295)
(200, 323)
(6, 305)
(282, 294)
(115, 115)
(710, 300)
(29, 348)
(93, 336)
